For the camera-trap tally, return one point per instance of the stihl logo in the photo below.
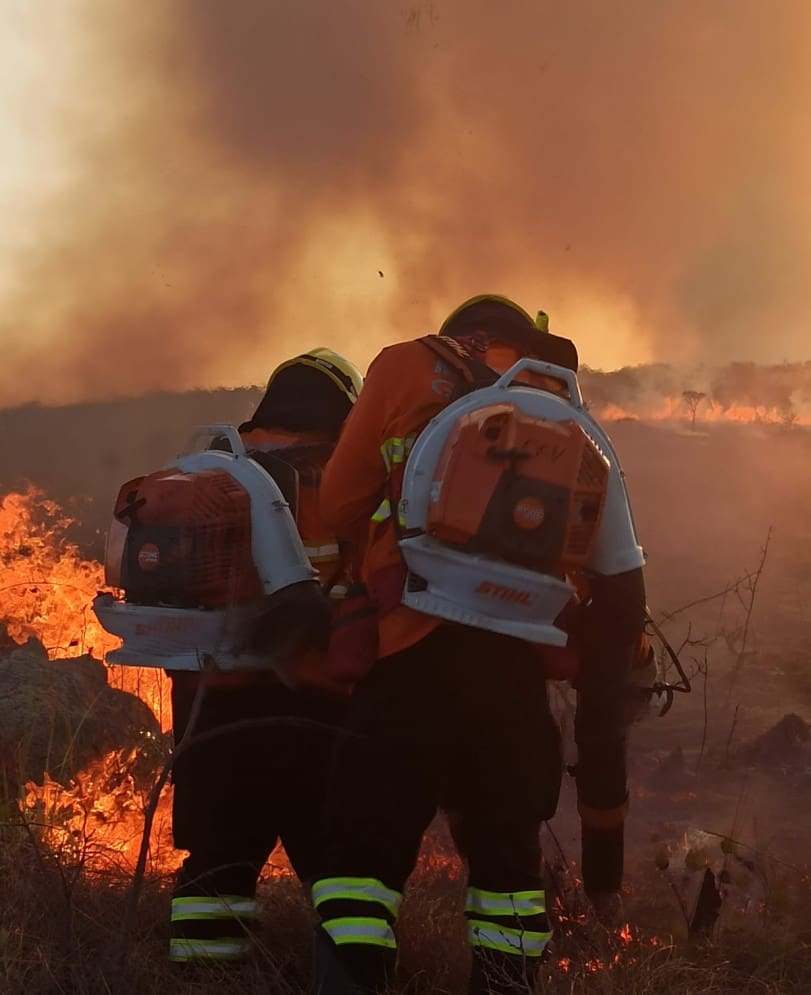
(149, 556)
(166, 627)
(511, 594)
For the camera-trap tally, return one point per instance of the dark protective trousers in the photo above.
(235, 796)
(459, 721)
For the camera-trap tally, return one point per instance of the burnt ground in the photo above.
(706, 505)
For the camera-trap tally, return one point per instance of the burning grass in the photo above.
(46, 590)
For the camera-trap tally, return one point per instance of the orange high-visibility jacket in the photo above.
(405, 387)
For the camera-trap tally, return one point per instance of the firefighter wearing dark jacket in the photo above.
(236, 795)
(457, 718)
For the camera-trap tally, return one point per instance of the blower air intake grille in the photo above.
(593, 470)
(587, 502)
(188, 540)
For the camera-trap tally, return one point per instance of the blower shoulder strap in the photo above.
(474, 372)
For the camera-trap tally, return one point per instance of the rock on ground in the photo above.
(57, 716)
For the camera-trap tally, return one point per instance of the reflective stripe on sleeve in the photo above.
(318, 554)
(357, 890)
(521, 942)
(182, 950)
(214, 907)
(383, 513)
(505, 903)
(360, 929)
(395, 450)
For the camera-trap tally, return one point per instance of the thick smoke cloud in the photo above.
(242, 174)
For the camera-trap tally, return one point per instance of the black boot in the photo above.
(356, 970)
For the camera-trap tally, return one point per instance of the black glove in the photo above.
(602, 858)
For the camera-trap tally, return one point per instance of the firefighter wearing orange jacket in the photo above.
(456, 717)
(236, 795)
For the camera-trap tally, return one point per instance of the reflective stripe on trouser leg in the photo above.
(358, 890)
(211, 927)
(369, 930)
(357, 910)
(510, 922)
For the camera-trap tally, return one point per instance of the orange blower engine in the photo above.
(520, 489)
(185, 541)
(211, 566)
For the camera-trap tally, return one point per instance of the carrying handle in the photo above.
(203, 435)
(569, 377)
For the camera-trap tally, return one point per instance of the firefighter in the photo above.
(453, 717)
(236, 795)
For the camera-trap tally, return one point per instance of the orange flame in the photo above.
(96, 821)
(46, 592)
(675, 409)
(47, 586)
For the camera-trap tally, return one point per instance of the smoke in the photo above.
(242, 181)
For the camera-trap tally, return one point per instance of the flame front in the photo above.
(47, 585)
(675, 409)
(46, 594)
(47, 589)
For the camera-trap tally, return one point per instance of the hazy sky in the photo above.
(193, 190)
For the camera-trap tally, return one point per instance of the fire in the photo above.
(97, 822)
(46, 591)
(47, 585)
(675, 409)
(47, 588)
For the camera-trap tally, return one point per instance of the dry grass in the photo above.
(60, 933)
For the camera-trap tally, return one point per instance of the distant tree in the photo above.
(692, 398)
(788, 415)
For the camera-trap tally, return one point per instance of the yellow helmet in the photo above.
(487, 309)
(501, 317)
(345, 375)
(311, 392)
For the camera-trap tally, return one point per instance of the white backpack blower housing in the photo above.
(207, 554)
(505, 492)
